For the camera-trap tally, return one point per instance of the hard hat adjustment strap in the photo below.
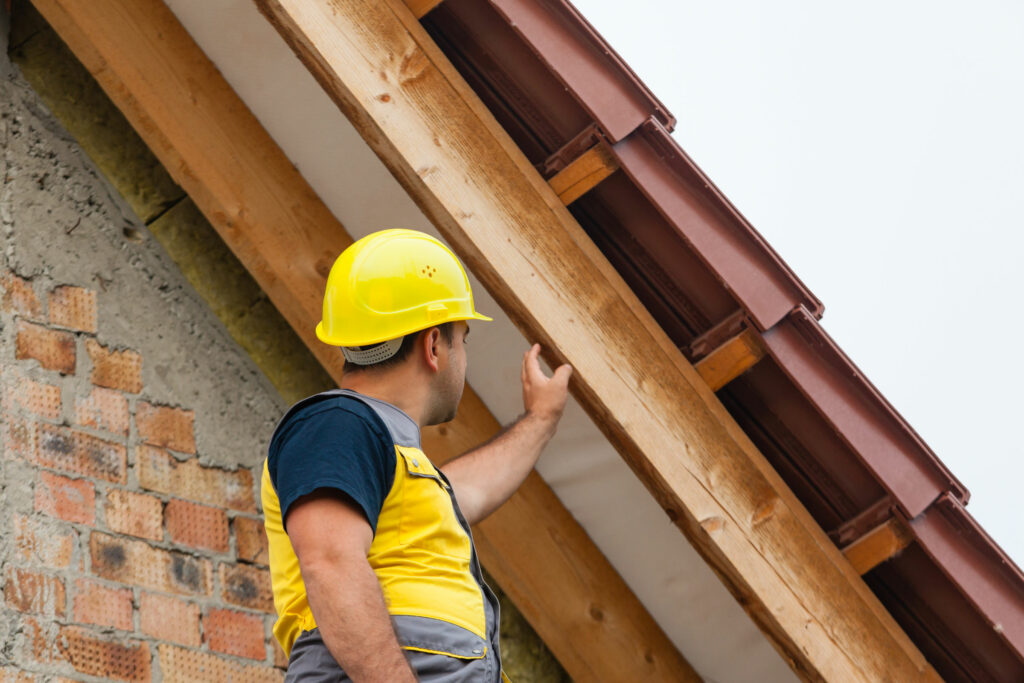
(374, 354)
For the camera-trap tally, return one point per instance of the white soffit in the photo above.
(591, 480)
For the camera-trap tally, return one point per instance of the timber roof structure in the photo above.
(531, 147)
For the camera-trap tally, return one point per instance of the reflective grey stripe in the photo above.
(403, 429)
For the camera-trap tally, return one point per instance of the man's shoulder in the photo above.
(332, 411)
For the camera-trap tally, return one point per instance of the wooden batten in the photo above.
(584, 173)
(483, 195)
(419, 8)
(731, 359)
(878, 545)
(274, 222)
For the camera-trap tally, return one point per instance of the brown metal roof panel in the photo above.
(901, 461)
(949, 630)
(978, 567)
(741, 259)
(618, 101)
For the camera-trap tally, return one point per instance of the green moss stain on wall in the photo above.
(207, 263)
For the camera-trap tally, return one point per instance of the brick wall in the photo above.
(129, 558)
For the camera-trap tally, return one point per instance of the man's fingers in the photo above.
(563, 373)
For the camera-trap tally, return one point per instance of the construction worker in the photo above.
(374, 572)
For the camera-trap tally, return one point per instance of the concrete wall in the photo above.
(143, 370)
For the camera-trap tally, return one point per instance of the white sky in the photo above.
(879, 148)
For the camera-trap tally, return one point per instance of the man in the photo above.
(374, 572)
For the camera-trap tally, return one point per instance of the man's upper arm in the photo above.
(326, 526)
(332, 451)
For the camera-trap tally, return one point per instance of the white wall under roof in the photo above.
(589, 477)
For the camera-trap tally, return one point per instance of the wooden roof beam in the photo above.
(426, 124)
(273, 221)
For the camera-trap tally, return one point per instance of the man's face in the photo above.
(451, 377)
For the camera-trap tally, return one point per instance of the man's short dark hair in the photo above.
(408, 342)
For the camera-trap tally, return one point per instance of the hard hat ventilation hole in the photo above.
(428, 271)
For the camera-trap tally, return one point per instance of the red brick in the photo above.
(29, 591)
(190, 666)
(117, 660)
(136, 514)
(19, 297)
(197, 525)
(235, 633)
(38, 643)
(104, 409)
(103, 606)
(55, 350)
(115, 369)
(73, 307)
(250, 540)
(38, 398)
(280, 658)
(73, 500)
(12, 675)
(169, 618)
(44, 544)
(161, 471)
(246, 586)
(165, 426)
(20, 437)
(137, 563)
(73, 451)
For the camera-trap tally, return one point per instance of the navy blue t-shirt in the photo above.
(337, 443)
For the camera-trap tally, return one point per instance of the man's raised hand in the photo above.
(544, 396)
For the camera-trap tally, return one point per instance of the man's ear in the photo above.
(430, 348)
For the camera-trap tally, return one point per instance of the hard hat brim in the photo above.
(339, 340)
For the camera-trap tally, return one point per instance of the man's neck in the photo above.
(394, 387)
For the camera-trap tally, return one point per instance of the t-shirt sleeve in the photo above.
(334, 448)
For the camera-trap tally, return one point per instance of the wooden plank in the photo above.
(273, 221)
(419, 8)
(453, 158)
(584, 173)
(878, 545)
(731, 359)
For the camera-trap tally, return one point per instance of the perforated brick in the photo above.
(235, 633)
(12, 675)
(19, 296)
(29, 591)
(73, 307)
(246, 586)
(136, 514)
(250, 540)
(104, 409)
(116, 660)
(280, 658)
(160, 471)
(190, 666)
(199, 526)
(73, 500)
(73, 451)
(168, 618)
(138, 563)
(43, 542)
(38, 398)
(53, 349)
(101, 605)
(115, 369)
(20, 437)
(166, 426)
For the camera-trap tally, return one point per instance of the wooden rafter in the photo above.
(276, 225)
(419, 8)
(463, 170)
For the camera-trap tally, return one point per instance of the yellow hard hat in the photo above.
(392, 283)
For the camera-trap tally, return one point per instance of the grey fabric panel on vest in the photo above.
(404, 430)
(311, 662)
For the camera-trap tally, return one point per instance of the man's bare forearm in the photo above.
(349, 609)
(488, 475)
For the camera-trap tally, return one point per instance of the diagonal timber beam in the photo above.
(273, 221)
(731, 359)
(425, 123)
